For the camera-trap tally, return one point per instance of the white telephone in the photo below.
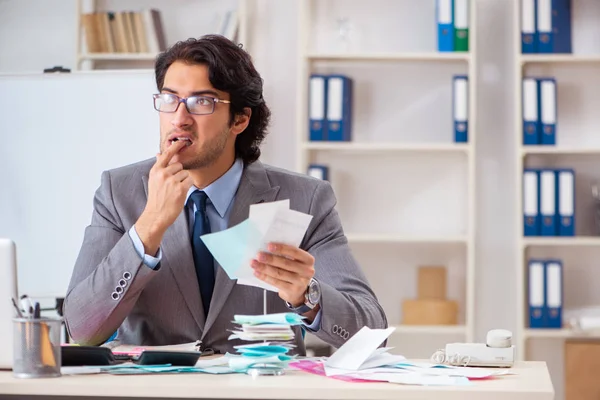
(498, 351)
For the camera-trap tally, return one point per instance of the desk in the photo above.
(531, 383)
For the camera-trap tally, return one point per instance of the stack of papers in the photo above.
(272, 327)
(273, 330)
(235, 247)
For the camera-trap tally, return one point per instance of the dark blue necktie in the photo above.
(203, 259)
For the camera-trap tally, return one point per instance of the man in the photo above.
(143, 271)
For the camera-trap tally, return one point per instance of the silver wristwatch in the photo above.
(312, 297)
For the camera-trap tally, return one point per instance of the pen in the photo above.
(36, 310)
(19, 313)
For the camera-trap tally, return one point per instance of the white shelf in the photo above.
(525, 150)
(561, 241)
(377, 238)
(433, 56)
(559, 58)
(118, 56)
(559, 333)
(431, 329)
(354, 146)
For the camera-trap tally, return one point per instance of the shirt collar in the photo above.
(221, 192)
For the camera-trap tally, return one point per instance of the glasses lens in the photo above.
(165, 102)
(200, 105)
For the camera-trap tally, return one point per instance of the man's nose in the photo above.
(181, 117)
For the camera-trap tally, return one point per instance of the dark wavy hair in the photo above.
(230, 70)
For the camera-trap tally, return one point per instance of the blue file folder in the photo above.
(318, 171)
(547, 117)
(531, 105)
(548, 209)
(531, 202)
(460, 108)
(339, 108)
(554, 26)
(317, 107)
(565, 200)
(528, 27)
(445, 23)
(554, 293)
(537, 294)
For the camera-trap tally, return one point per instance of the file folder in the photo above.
(548, 110)
(445, 22)
(339, 108)
(531, 125)
(528, 27)
(566, 202)
(537, 294)
(531, 202)
(549, 225)
(319, 171)
(317, 107)
(461, 25)
(554, 293)
(554, 26)
(461, 108)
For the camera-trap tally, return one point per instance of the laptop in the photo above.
(8, 289)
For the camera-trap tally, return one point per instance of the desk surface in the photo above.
(532, 382)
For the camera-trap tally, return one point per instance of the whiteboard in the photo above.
(58, 132)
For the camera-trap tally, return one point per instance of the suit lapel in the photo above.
(254, 188)
(177, 249)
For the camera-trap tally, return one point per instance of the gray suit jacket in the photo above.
(163, 306)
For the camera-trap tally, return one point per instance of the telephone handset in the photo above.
(498, 351)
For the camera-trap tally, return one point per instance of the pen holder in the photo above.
(36, 347)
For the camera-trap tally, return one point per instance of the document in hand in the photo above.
(234, 248)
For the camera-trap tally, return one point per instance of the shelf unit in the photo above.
(82, 57)
(575, 147)
(307, 59)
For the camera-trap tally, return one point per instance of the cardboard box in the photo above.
(431, 283)
(582, 367)
(429, 312)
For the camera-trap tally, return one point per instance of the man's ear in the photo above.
(241, 121)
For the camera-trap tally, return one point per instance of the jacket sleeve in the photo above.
(108, 276)
(347, 301)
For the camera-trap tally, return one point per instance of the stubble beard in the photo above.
(209, 153)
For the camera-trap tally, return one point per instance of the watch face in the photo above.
(314, 292)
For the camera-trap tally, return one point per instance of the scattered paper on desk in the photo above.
(235, 247)
(360, 351)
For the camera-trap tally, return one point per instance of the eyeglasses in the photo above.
(198, 105)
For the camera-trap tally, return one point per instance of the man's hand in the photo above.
(168, 185)
(288, 268)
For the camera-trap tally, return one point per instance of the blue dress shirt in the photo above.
(218, 207)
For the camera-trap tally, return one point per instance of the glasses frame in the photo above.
(184, 101)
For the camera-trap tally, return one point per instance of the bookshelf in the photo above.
(192, 21)
(409, 238)
(577, 147)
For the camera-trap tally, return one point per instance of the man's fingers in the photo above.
(167, 155)
(274, 272)
(173, 168)
(181, 176)
(295, 266)
(291, 252)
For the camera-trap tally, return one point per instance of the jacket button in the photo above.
(127, 275)
(335, 329)
(115, 296)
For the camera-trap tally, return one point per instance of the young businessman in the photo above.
(143, 272)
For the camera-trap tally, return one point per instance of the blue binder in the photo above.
(548, 210)
(554, 293)
(554, 26)
(536, 293)
(339, 108)
(445, 23)
(460, 108)
(531, 202)
(318, 171)
(317, 107)
(531, 105)
(528, 26)
(548, 110)
(565, 201)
